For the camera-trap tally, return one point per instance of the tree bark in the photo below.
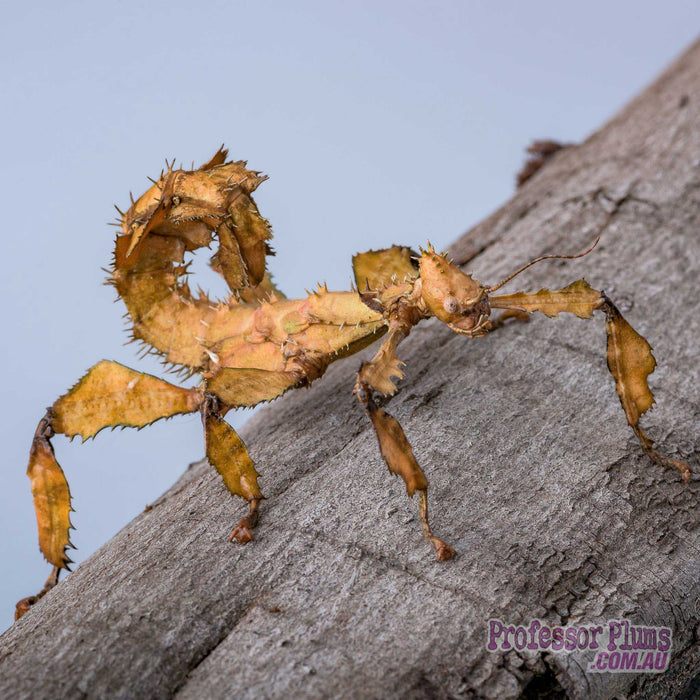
(536, 480)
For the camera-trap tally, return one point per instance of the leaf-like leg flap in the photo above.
(399, 458)
(111, 395)
(52, 505)
(629, 355)
(52, 502)
(393, 444)
(631, 361)
(579, 298)
(219, 158)
(379, 373)
(248, 386)
(265, 291)
(227, 453)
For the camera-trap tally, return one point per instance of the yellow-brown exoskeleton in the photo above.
(255, 345)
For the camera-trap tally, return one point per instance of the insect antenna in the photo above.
(536, 260)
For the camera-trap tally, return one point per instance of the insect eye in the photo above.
(451, 305)
(176, 200)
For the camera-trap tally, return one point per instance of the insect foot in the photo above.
(23, 605)
(443, 550)
(242, 532)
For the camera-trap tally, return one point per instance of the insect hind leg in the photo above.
(23, 605)
(227, 453)
(243, 531)
(109, 395)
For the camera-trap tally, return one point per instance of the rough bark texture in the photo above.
(536, 480)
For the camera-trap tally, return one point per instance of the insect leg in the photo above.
(393, 444)
(630, 361)
(629, 355)
(23, 605)
(227, 453)
(234, 387)
(52, 504)
(505, 316)
(109, 395)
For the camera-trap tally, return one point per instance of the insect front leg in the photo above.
(505, 316)
(630, 361)
(629, 355)
(393, 444)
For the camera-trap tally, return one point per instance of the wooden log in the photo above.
(536, 480)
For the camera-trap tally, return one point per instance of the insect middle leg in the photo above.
(505, 316)
(377, 375)
(398, 456)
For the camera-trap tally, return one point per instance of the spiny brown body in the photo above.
(256, 344)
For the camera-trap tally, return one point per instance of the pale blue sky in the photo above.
(378, 122)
